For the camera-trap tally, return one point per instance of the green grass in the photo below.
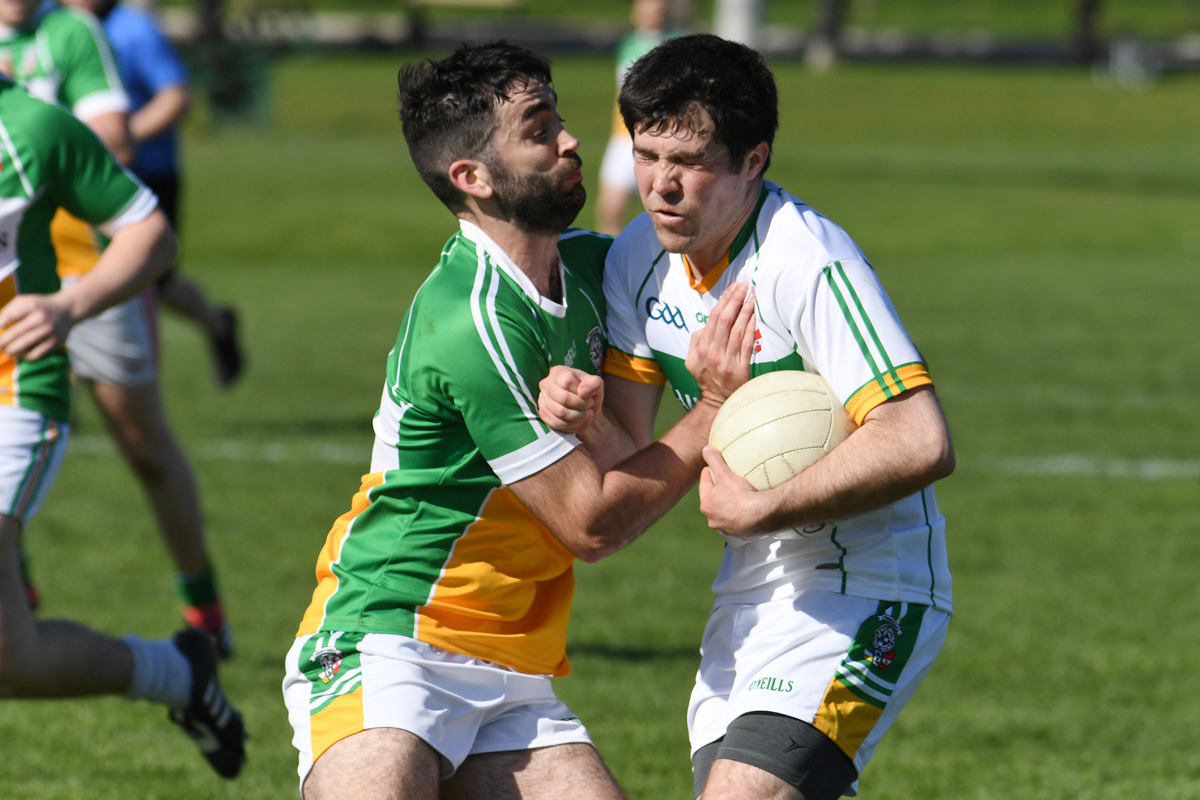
(1036, 231)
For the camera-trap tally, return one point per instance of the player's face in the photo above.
(17, 12)
(536, 173)
(694, 196)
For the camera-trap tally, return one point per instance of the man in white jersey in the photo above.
(833, 598)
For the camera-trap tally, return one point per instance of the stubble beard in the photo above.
(538, 203)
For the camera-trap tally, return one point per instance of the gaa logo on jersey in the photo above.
(664, 312)
(595, 343)
(330, 659)
(883, 645)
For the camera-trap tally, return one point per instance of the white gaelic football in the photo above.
(779, 424)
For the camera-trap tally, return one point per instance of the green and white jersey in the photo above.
(820, 308)
(50, 159)
(63, 57)
(435, 547)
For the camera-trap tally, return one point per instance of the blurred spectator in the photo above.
(617, 185)
(157, 84)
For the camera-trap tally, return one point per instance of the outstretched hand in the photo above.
(569, 399)
(719, 354)
(33, 325)
(730, 503)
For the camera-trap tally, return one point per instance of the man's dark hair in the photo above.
(728, 80)
(448, 107)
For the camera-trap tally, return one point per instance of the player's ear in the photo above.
(472, 178)
(756, 159)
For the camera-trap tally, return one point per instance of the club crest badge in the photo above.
(883, 645)
(330, 659)
(595, 341)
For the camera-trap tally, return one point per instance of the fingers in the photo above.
(740, 348)
(569, 399)
(724, 316)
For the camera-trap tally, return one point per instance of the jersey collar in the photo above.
(739, 243)
(500, 259)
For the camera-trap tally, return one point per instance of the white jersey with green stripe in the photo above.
(50, 160)
(820, 308)
(62, 56)
(436, 547)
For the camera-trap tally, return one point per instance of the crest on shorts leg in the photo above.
(330, 659)
(883, 644)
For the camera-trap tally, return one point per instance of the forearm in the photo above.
(160, 114)
(641, 488)
(607, 441)
(137, 255)
(868, 471)
(903, 446)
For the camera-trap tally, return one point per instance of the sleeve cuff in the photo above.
(633, 368)
(533, 457)
(141, 206)
(886, 386)
(98, 103)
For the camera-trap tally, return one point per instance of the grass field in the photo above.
(1040, 236)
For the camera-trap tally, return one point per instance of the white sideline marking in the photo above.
(1154, 469)
(234, 450)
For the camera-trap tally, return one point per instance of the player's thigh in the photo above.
(545, 773)
(735, 780)
(118, 345)
(376, 764)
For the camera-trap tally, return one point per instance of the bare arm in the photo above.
(595, 513)
(902, 447)
(35, 324)
(166, 108)
(113, 129)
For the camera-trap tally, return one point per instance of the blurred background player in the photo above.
(617, 184)
(49, 161)
(61, 56)
(156, 82)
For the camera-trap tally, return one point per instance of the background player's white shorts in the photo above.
(339, 684)
(32, 447)
(617, 167)
(846, 665)
(119, 345)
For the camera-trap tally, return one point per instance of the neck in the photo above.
(536, 254)
(705, 258)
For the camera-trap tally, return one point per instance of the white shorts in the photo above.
(617, 167)
(339, 684)
(119, 345)
(846, 665)
(32, 447)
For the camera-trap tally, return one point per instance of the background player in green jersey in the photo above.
(834, 588)
(51, 160)
(441, 608)
(617, 182)
(60, 55)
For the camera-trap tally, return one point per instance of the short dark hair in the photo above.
(728, 80)
(448, 107)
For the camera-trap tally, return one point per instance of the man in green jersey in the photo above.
(50, 160)
(423, 665)
(60, 55)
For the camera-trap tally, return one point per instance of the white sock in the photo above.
(161, 673)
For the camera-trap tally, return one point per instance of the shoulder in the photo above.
(68, 21)
(799, 236)
(582, 248)
(45, 125)
(636, 249)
